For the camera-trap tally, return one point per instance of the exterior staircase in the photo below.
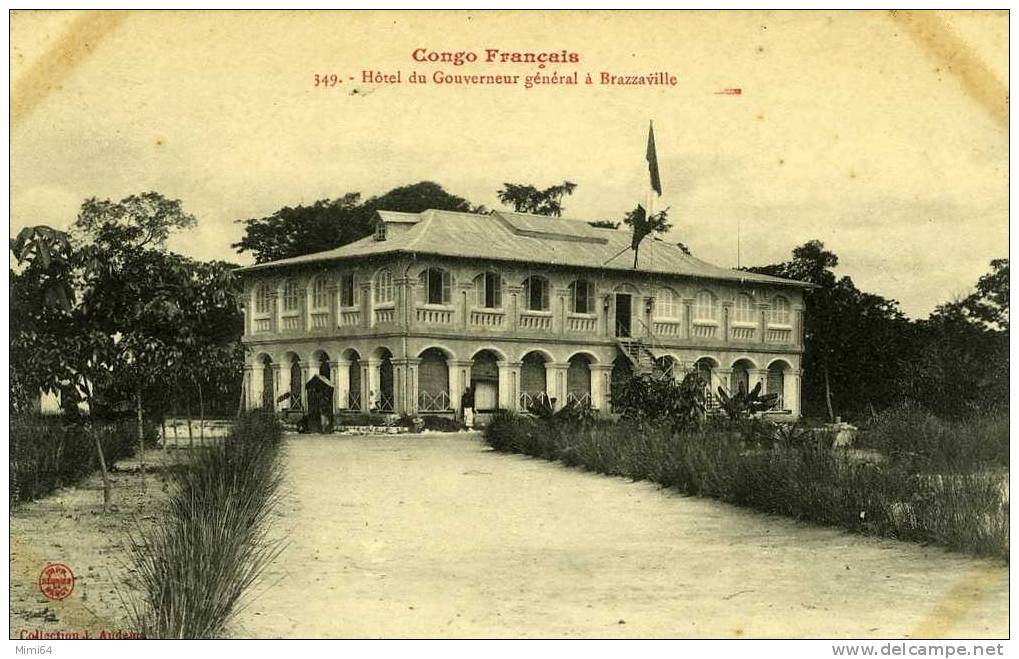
(641, 358)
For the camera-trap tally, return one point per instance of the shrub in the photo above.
(653, 398)
(46, 453)
(441, 423)
(910, 432)
(194, 564)
(791, 471)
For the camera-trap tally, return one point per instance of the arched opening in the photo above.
(433, 381)
(578, 381)
(622, 372)
(268, 383)
(296, 383)
(353, 379)
(485, 381)
(320, 394)
(776, 383)
(533, 384)
(385, 400)
(705, 367)
(739, 381)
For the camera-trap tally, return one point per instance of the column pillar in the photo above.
(459, 378)
(601, 377)
(723, 379)
(370, 384)
(308, 369)
(555, 383)
(687, 318)
(791, 393)
(759, 375)
(341, 384)
(282, 380)
(254, 374)
(509, 385)
(367, 319)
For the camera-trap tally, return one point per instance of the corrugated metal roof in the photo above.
(524, 238)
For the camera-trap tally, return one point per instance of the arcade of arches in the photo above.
(433, 381)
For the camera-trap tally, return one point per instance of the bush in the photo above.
(441, 423)
(652, 398)
(910, 432)
(794, 472)
(46, 453)
(211, 545)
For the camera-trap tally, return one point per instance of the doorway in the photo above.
(624, 314)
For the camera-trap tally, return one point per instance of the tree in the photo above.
(854, 340)
(141, 220)
(529, 199)
(987, 305)
(960, 358)
(644, 225)
(331, 223)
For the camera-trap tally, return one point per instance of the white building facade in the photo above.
(514, 306)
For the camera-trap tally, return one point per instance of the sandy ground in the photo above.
(437, 536)
(69, 527)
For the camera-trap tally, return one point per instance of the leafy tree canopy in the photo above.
(529, 199)
(143, 220)
(330, 223)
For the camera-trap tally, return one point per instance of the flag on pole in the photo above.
(652, 160)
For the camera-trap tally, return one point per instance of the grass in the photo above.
(47, 453)
(963, 505)
(210, 546)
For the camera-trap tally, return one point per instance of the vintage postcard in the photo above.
(545, 324)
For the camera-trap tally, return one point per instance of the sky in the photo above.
(885, 135)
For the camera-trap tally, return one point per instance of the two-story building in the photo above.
(513, 305)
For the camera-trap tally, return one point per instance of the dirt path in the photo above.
(69, 527)
(436, 536)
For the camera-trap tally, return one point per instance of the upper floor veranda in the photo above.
(438, 295)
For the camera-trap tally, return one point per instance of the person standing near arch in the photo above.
(467, 406)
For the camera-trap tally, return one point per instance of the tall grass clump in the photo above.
(47, 452)
(211, 544)
(926, 489)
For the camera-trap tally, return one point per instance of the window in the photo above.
(489, 287)
(291, 295)
(320, 293)
(348, 292)
(779, 311)
(436, 284)
(744, 309)
(380, 231)
(666, 305)
(263, 299)
(582, 297)
(384, 287)
(704, 307)
(536, 293)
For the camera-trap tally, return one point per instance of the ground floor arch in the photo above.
(578, 380)
(354, 399)
(433, 381)
(776, 383)
(533, 380)
(622, 371)
(739, 379)
(484, 380)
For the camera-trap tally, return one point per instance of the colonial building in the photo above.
(515, 306)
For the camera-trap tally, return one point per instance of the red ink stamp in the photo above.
(56, 581)
(730, 91)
